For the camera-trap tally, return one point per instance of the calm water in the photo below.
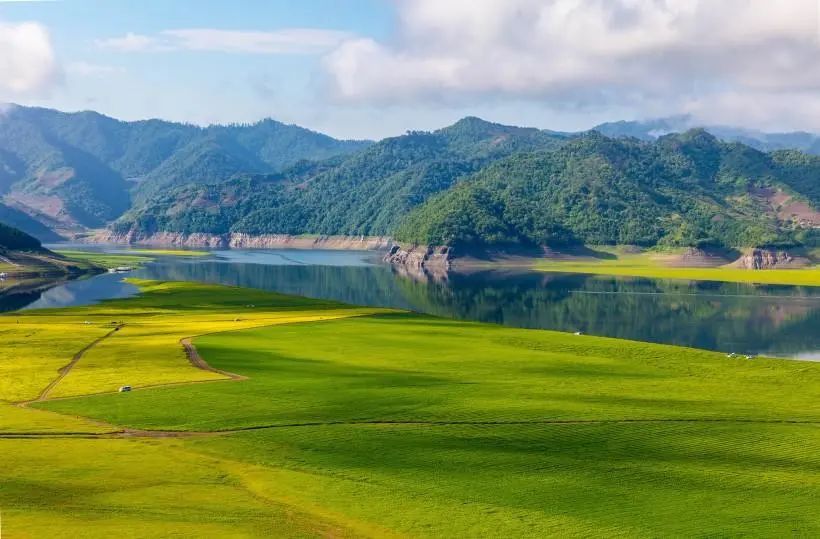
(773, 320)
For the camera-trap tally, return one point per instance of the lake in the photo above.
(780, 321)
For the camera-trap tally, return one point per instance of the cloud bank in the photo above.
(28, 64)
(682, 54)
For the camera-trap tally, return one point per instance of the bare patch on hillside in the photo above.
(786, 208)
(49, 179)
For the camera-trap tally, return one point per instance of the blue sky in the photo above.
(373, 68)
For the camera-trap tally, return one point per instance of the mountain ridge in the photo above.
(83, 169)
(641, 185)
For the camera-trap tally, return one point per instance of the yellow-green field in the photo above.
(652, 265)
(106, 260)
(315, 419)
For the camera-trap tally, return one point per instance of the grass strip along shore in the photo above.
(656, 265)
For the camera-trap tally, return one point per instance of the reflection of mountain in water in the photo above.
(17, 300)
(721, 316)
(80, 292)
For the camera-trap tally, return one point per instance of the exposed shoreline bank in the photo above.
(762, 266)
(242, 241)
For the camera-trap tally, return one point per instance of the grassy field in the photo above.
(651, 265)
(106, 260)
(366, 422)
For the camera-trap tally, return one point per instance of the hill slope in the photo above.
(684, 189)
(483, 184)
(82, 169)
(366, 193)
(12, 238)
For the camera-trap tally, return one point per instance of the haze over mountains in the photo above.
(474, 182)
(652, 129)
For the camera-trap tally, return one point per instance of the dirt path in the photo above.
(198, 362)
(63, 372)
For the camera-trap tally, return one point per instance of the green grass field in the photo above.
(106, 260)
(365, 422)
(651, 265)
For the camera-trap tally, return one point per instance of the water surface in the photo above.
(750, 319)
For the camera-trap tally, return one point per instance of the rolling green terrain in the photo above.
(312, 418)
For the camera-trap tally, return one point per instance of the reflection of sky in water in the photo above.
(732, 317)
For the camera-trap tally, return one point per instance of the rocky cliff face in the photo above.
(420, 259)
(246, 241)
(768, 259)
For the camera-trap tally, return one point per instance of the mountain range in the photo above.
(472, 183)
(84, 169)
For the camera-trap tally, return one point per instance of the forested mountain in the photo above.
(366, 193)
(84, 168)
(685, 189)
(484, 184)
(474, 182)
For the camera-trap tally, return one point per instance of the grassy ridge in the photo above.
(388, 423)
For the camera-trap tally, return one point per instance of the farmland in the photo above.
(314, 418)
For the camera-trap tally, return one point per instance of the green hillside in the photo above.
(366, 193)
(480, 184)
(683, 190)
(83, 168)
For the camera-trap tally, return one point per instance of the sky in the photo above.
(376, 68)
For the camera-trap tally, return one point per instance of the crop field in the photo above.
(294, 417)
(643, 265)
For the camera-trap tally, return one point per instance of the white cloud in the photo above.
(131, 42)
(575, 53)
(284, 41)
(28, 64)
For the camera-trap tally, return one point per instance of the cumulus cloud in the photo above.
(284, 41)
(28, 64)
(578, 52)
